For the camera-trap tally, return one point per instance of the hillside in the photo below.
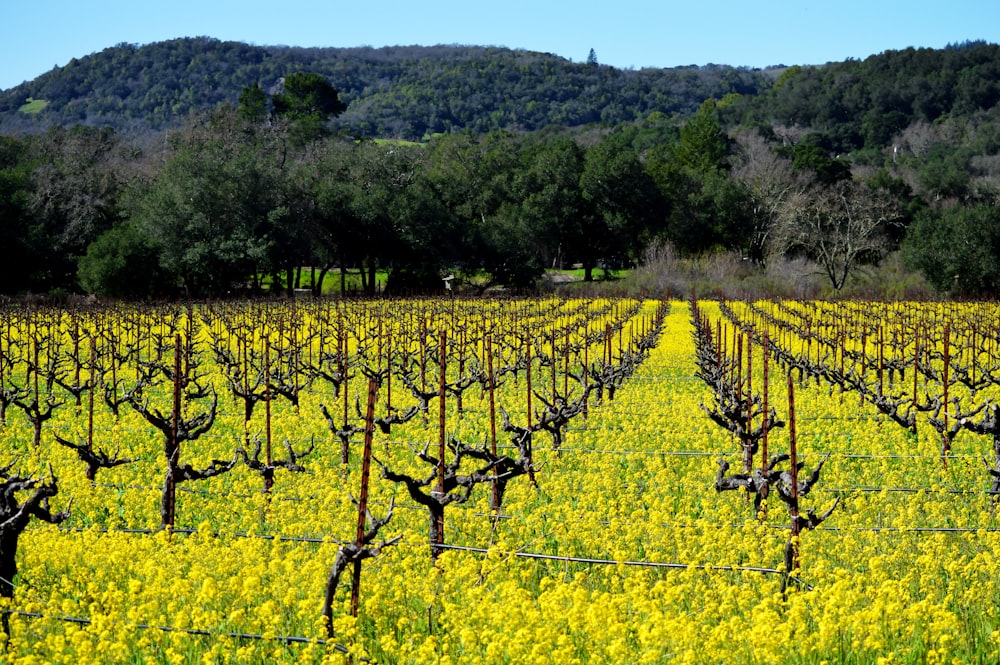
(858, 104)
(403, 92)
(414, 91)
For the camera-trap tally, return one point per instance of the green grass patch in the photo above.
(397, 142)
(33, 106)
(577, 274)
(331, 281)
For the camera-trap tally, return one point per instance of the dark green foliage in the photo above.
(307, 95)
(618, 201)
(812, 156)
(124, 262)
(254, 104)
(22, 243)
(703, 145)
(489, 184)
(625, 158)
(945, 172)
(404, 92)
(958, 250)
(308, 101)
(215, 208)
(862, 104)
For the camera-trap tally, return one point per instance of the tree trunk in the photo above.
(318, 285)
(436, 530)
(8, 563)
(168, 499)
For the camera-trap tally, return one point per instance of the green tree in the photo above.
(253, 104)
(76, 179)
(379, 202)
(703, 208)
(810, 156)
(308, 101)
(124, 262)
(24, 245)
(618, 197)
(703, 145)
(335, 231)
(945, 173)
(215, 206)
(957, 249)
(475, 179)
(551, 201)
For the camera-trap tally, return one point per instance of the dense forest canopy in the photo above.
(396, 92)
(204, 168)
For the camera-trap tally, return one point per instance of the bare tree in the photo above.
(770, 181)
(838, 226)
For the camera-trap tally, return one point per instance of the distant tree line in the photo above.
(264, 188)
(257, 188)
(409, 92)
(414, 92)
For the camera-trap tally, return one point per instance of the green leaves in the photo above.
(308, 100)
(958, 249)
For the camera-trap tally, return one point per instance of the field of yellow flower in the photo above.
(621, 550)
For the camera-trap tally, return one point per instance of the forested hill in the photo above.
(858, 104)
(412, 91)
(403, 92)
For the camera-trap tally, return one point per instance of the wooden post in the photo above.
(423, 359)
(747, 450)
(946, 443)
(566, 366)
(388, 373)
(441, 437)
(881, 361)
(793, 507)
(586, 374)
(864, 359)
(268, 478)
(3, 407)
(342, 343)
(767, 422)
(172, 447)
(493, 415)
(92, 384)
(366, 458)
(552, 350)
(461, 365)
(527, 378)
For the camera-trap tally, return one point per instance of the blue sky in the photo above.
(36, 35)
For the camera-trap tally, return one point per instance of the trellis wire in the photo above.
(202, 632)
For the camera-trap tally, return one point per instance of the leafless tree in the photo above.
(770, 181)
(838, 226)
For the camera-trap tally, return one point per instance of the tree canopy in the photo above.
(273, 180)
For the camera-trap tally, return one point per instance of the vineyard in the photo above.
(544, 481)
